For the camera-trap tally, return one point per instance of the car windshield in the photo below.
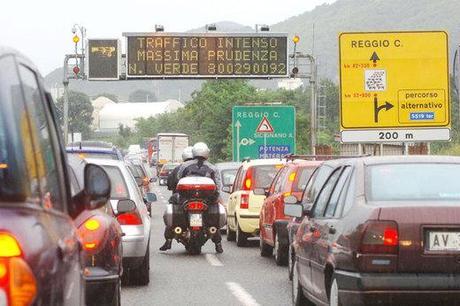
(95, 155)
(228, 176)
(264, 175)
(413, 182)
(119, 189)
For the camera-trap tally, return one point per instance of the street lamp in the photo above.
(262, 28)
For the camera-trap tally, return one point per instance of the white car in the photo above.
(134, 221)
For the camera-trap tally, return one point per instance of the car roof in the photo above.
(106, 162)
(90, 150)
(228, 165)
(304, 163)
(260, 162)
(395, 159)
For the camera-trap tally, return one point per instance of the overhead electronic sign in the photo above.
(104, 58)
(394, 86)
(208, 55)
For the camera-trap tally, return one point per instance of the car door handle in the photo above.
(332, 230)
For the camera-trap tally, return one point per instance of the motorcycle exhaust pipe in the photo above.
(212, 230)
(178, 230)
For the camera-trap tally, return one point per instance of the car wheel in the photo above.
(266, 250)
(140, 275)
(230, 234)
(290, 262)
(241, 237)
(334, 298)
(298, 299)
(280, 252)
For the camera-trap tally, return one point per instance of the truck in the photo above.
(169, 148)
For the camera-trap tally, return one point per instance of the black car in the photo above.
(40, 257)
(100, 234)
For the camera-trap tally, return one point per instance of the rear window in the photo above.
(413, 182)
(95, 155)
(304, 175)
(264, 175)
(119, 189)
(228, 176)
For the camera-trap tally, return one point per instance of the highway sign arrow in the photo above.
(238, 126)
(374, 58)
(387, 106)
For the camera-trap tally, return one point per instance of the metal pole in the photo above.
(65, 82)
(313, 102)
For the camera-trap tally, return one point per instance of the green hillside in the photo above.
(368, 15)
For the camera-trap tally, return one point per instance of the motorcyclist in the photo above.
(187, 155)
(200, 166)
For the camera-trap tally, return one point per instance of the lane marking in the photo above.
(241, 294)
(213, 260)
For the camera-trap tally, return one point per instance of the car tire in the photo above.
(298, 298)
(291, 259)
(231, 235)
(140, 276)
(241, 237)
(280, 252)
(334, 297)
(266, 250)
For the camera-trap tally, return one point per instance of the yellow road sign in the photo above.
(394, 80)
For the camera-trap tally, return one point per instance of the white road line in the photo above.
(242, 295)
(213, 260)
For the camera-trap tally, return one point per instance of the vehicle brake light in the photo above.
(92, 234)
(17, 282)
(244, 203)
(195, 206)
(248, 179)
(129, 218)
(380, 237)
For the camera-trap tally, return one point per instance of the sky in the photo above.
(42, 29)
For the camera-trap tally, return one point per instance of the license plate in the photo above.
(444, 241)
(196, 220)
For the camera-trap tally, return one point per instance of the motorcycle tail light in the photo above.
(17, 282)
(195, 206)
(92, 234)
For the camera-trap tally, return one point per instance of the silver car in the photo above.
(128, 205)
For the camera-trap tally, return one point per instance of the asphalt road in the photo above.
(239, 276)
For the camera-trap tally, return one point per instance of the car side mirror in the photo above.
(259, 191)
(151, 197)
(293, 210)
(125, 206)
(96, 191)
(139, 181)
(227, 189)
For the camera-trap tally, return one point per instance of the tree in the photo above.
(80, 113)
(110, 96)
(141, 95)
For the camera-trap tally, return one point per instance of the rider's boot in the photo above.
(167, 245)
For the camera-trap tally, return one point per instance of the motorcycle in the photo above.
(196, 216)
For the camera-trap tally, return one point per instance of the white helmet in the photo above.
(187, 153)
(200, 149)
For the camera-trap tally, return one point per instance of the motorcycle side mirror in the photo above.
(151, 197)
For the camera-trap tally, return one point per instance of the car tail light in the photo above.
(292, 177)
(17, 282)
(248, 182)
(244, 203)
(92, 233)
(130, 218)
(380, 237)
(195, 206)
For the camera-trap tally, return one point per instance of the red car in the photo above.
(290, 180)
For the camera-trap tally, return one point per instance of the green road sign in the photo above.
(263, 131)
